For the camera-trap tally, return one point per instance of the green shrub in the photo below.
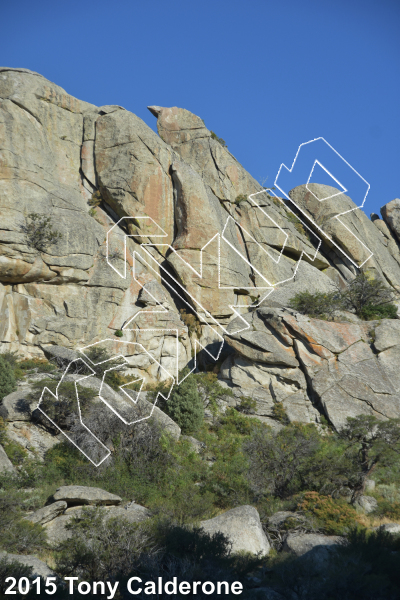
(240, 198)
(12, 568)
(11, 358)
(295, 459)
(114, 377)
(39, 232)
(7, 378)
(2, 430)
(191, 322)
(279, 413)
(185, 406)
(118, 333)
(333, 517)
(22, 536)
(388, 509)
(318, 305)
(17, 534)
(63, 408)
(15, 452)
(384, 311)
(218, 139)
(101, 549)
(247, 405)
(196, 542)
(29, 364)
(368, 298)
(366, 295)
(364, 567)
(96, 199)
(211, 390)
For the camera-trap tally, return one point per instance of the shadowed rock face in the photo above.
(86, 167)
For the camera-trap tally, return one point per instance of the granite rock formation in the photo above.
(199, 249)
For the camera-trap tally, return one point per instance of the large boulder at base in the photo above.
(39, 568)
(300, 544)
(47, 513)
(18, 406)
(243, 528)
(75, 495)
(367, 504)
(61, 356)
(5, 463)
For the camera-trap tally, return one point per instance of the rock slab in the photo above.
(47, 513)
(79, 494)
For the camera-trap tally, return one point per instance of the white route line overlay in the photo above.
(269, 287)
(327, 236)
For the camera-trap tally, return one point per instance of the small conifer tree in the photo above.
(185, 406)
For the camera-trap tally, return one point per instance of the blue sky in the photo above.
(266, 76)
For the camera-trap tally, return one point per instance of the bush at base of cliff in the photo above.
(7, 378)
(333, 517)
(185, 406)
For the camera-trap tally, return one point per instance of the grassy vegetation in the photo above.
(243, 461)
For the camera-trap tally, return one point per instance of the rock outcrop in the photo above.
(314, 367)
(242, 527)
(68, 502)
(77, 495)
(164, 240)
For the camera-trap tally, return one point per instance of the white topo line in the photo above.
(194, 305)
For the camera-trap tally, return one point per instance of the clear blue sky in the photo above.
(264, 75)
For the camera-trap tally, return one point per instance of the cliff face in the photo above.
(193, 238)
